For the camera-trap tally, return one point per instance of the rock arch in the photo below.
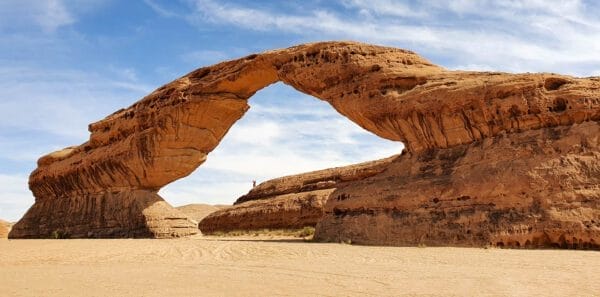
(106, 187)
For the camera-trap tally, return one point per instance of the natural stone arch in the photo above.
(107, 186)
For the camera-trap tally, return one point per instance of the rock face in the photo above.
(538, 188)
(4, 228)
(134, 213)
(289, 202)
(391, 92)
(288, 211)
(197, 212)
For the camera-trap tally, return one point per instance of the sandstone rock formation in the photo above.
(391, 92)
(132, 213)
(290, 202)
(538, 188)
(197, 212)
(288, 211)
(4, 228)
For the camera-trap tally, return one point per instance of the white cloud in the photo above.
(568, 9)
(473, 67)
(261, 132)
(208, 10)
(514, 36)
(386, 8)
(159, 9)
(62, 102)
(194, 189)
(204, 57)
(52, 15)
(48, 15)
(15, 197)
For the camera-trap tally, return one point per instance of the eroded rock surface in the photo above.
(288, 211)
(391, 92)
(538, 188)
(134, 213)
(197, 212)
(289, 202)
(316, 180)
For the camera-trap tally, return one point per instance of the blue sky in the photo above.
(67, 63)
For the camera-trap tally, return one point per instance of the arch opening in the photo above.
(284, 132)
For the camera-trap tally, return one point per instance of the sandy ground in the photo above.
(4, 228)
(265, 266)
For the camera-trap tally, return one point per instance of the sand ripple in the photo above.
(213, 266)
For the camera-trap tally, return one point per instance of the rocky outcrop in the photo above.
(391, 92)
(538, 188)
(288, 211)
(197, 212)
(4, 228)
(135, 213)
(316, 180)
(289, 202)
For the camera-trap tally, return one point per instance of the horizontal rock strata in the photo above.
(197, 212)
(4, 228)
(390, 92)
(288, 211)
(538, 188)
(135, 213)
(315, 180)
(288, 202)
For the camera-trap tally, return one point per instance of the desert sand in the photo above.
(277, 266)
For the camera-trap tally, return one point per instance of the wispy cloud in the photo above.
(62, 102)
(510, 36)
(15, 196)
(386, 8)
(160, 10)
(205, 57)
(248, 17)
(48, 15)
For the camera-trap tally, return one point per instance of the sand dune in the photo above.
(265, 266)
(4, 228)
